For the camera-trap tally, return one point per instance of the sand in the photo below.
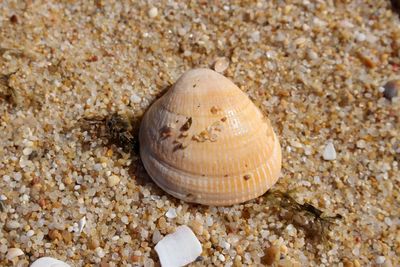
(315, 68)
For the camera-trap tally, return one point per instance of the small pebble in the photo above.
(30, 233)
(153, 12)
(391, 89)
(13, 253)
(329, 152)
(380, 260)
(113, 180)
(272, 254)
(221, 64)
(100, 252)
(311, 54)
(255, 36)
(156, 236)
(135, 98)
(82, 223)
(12, 225)
(27, 151)
(93, 243)
(221, 257)
(171, 213)
(361, 144)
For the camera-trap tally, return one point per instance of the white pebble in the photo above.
(27, 151)
(225, 245)
(100, 252)
(179, 248)
(153, 12)
(255, 36)
(221, 64)
(388, 221)
(30, 233)
(171, 213)
(82, 223)
(356, 251)
(13, 253)
(48, 261)
(125, 219)
(135, 98)
(221, 257)
(12, 225)
(291, 230)
(17, 176)
(380, 260)
(156, 236)
(3, 249)
(209, 221)
(329, 152)
(361, 144)
(113, 180)
(360, 37)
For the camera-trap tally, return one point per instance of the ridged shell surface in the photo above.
(204, 141)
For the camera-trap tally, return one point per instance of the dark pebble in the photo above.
(391, 89)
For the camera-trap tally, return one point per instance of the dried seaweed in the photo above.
(7, 92)
(118, 130)
(305, 216)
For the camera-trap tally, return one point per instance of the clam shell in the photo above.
(204, 141)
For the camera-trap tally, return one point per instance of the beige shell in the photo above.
(204, 141)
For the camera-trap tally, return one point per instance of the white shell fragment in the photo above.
(329, 152)
(82, 223)
(171, 213)
(13, 253)
(179, 248)
(49, 262)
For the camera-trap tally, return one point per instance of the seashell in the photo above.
(204, 141)
(49, 262)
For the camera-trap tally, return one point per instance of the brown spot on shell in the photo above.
(179, 146)
(247, 177)
(183, 135)
(223, 119)
(214, 110)
(186, 126)
(202, 136)
(165, 132)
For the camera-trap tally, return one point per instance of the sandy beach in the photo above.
(316, 69)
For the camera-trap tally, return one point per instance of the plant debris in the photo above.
(305, 216)
(119, 131)
(7, 92)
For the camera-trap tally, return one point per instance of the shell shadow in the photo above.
(396, 6)
(136, 168)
